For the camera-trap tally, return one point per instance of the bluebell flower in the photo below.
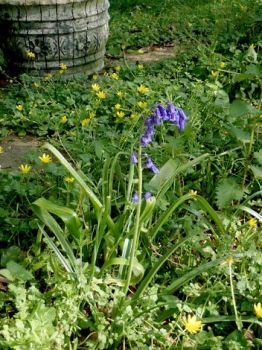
(134, 159)
(147, 195)
(146, 139)
(161, 112)
(150, 165)
(135, 197)
(181, 119)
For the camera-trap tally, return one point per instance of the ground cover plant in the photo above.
(137, 224)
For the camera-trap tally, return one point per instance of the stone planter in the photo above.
(72, 32)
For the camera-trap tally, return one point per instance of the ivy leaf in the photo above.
(227, 191)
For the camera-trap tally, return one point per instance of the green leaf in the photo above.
(167, 174)
(257, 171)
(227, 191)
(258, 156)
(18, 271)
(239, 108)
(240, 134)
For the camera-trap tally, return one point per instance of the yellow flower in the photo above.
(120, 94)
(229, 261)
(193, 193)
(85, 121)
(19, 107)
(120, 114)
(101, 95)
(91, 115)
(30, 55)
(45, 158)
(192, 325)
(63, 119)
(214, 73)
(48, 76)
(142, 104)
(252, 223)
(2, 150)
(95, 77)
(258, 310)
(35, 85)
(142, 89)
(118, 68)
(63, 66)
(118, 106)
(222, 65)
(134, 116)
(140, 66)
(114, 76)
(252, 46)
(25, 168)
(69, 179)
(95, 87)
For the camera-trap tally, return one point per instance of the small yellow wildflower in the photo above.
(91, 115)
(118, 106)
(63, 119)
(85, 121)
(30, 55)
(214, 73)
(35, 85)
(120, 114)
(1, 150)
(252, 46)
(192, 325)
(222, 65)
(120, 94)
(95, 87)
(114, 76)
(229, 261)
(193, 193)
(141, 51)
(19, 107)
(45, 158)
(258, 310)
(69, 179)
(25, 168)
(142, 89)
(48, 76)
(101, 95)
(252, 223)
(142, 104)
(140, 67)
(95, 77)
(134, 116)
(63, 66)
(118, 68)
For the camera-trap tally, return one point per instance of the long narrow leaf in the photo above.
(178, 283)
(146, 281)
(59, 255)
(67, 215)
(93, 198)
(165, 178)
(56, 229)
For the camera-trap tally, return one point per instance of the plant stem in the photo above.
(238, 321)
(137, 224)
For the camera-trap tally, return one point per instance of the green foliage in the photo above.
(227, 191)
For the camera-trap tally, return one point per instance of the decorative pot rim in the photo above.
(39, 2)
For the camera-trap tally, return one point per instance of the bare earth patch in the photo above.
(153, 53)
(15, 150)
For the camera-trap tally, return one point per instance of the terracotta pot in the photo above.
(64, 31)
